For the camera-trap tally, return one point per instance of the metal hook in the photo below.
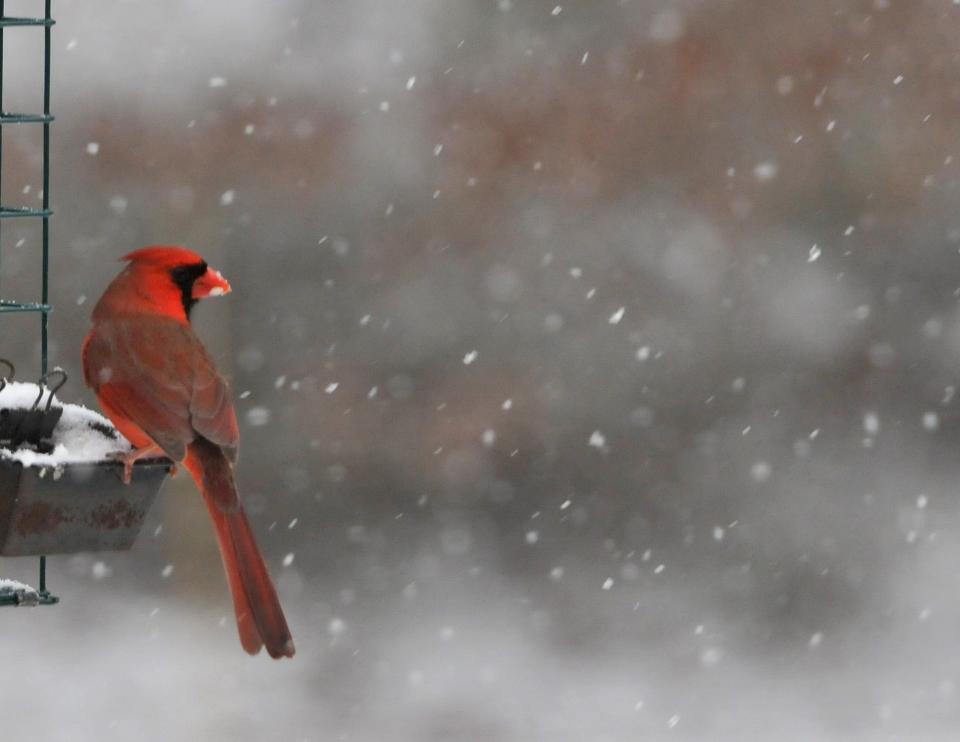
(53, 389)
(13, 372)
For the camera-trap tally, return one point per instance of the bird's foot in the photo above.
(130, 458)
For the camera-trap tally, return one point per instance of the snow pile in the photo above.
(82, 435)
(26, 595)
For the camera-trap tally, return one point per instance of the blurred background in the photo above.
(595, 364)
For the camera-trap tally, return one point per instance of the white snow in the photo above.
(14, 585)
(785, 85)
(74, 440)
(26, 595)
(597, 439)
(118, 204)
(761, 471)
(257, 416)
(766, 171)
(667, 26)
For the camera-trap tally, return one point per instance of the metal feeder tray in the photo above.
(76, 507)
(72, 507)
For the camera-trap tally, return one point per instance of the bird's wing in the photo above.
(211, 409)
(155, 372)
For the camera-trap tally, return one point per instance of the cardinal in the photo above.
(159, 387)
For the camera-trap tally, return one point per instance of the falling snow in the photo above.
(766, 171)
(597, 439)
(710, 254)
(258, 416)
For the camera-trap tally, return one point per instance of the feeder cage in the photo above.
(62, 507)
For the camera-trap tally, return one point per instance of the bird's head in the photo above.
(175, 277)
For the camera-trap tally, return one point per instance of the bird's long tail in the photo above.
(260, 618)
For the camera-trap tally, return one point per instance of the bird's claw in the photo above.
(128, 460)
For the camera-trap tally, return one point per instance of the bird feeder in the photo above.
(59, 490)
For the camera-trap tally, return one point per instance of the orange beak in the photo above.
(210, 283)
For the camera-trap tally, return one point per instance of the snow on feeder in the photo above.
(61, 488)
(17, 593)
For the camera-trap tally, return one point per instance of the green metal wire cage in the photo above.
(44, 213)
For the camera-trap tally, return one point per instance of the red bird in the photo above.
(156, 382)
